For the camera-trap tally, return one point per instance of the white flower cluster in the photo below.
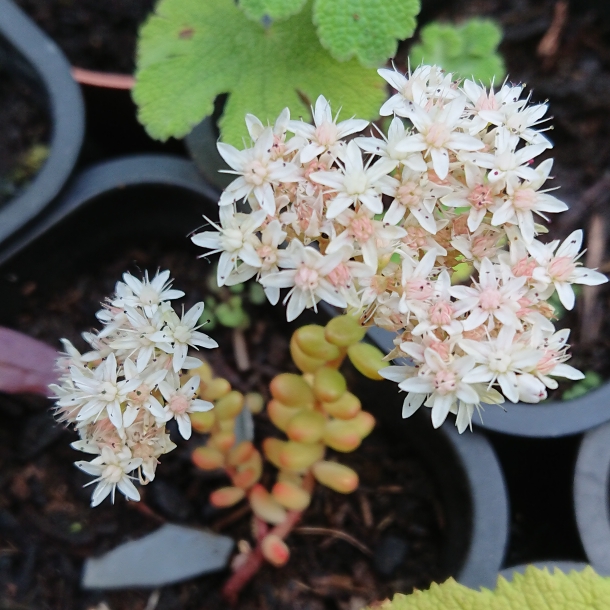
(120, 395)
(386, 226)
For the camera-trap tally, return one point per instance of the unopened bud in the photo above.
(313, 343)
(254, 402)
(306, 426)
(280, 414)
(291, 390)
(240, 453)
(202, 421)
(223, 441)
(336, 476)
(274, 550)
(214, 389)
(291, 496)
(364, 423)
(304, 362)
(344, 331)
(272, 448)
(298, 457)
(347, 407)
(208, 458)
(265, 507)
(329, 384)
(230, 405)
(226, 496)
(367, 359)
(342, 435)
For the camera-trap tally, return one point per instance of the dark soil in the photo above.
(24, 125)
(47, 528)
(93, 34)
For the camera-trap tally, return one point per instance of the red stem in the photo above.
(255, 560)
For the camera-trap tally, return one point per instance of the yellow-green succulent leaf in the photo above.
(364, 29)
(191, 51)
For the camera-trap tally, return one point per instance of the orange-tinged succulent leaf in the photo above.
(254, 402)
(215, 389)
(342, 435)
(344, 331)
(202, 421)
(364, 423)
(304, 362)
(347, 407)
(208, 458)
(226, 425)
(338, 477)
(306, 426)
(240, 453)
(291, 390)
(298, 457)
(223, 441)
(230, 405)
(367, 359)
(246, 477)
(291, 496)
(274, 550)
(272, 448)
(280, 414)
(328, 384)
(265, 507)
(204, 370)
(226, 496)
(313, 343)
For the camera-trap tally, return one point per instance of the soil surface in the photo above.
(394, 523)
(93, 34)
(24, 125)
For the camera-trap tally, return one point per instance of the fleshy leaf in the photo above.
(534, 590)
(468, 50)
(367, 30)
(191, 51)
(273, 9)
(26, 365)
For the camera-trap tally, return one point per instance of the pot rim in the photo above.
(591, 497)
(483, 475)
(545, 420)
(66, 115)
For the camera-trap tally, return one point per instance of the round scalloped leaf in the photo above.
(190, 51)
(273, 9)
(534, 590)
(367, 30)
(468, 50)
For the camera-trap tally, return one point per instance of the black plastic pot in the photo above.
(140, 198)
(546, 420)
(591, 497)
(30, 53)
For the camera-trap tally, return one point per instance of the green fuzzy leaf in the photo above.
(468, 50)
(366, 29)
(190, 51)
(274, 9)
(534, 590)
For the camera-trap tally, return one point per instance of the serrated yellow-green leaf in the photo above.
(274, 9)
(468, 50)
(534, 590)
(190, 51)
(366, 29)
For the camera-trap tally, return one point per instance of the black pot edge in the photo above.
(123, 172)
(547, 420)
(484, 476)
(591, 497)
(67, 115)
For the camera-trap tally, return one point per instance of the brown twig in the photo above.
(147, 511)
(596, 246)
(240, 349)
(549, 44)
(236, 515)
(327, 531)
(102, 79)
(242, 576)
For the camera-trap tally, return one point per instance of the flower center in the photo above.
(361, 228)
(419, 289)
(306, 278)
(182, 333)
(561, 268)
(440, 313)
(179, 404)
(416, 237)
(231, 240)
(340, 276)
(437, 135)
(480, 197)
(112, 473)
(268, 255)
(490, 299)
(326, 134)
(444, 382)
(484, 246)
(524, 199)
(355, 183)
(409, 193)
(256, 173)
(108, 391)
(149, 295)
(139, 395)
(524, 267)
(499, 363)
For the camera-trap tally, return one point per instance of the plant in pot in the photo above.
(405, 481)
(42, 121)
